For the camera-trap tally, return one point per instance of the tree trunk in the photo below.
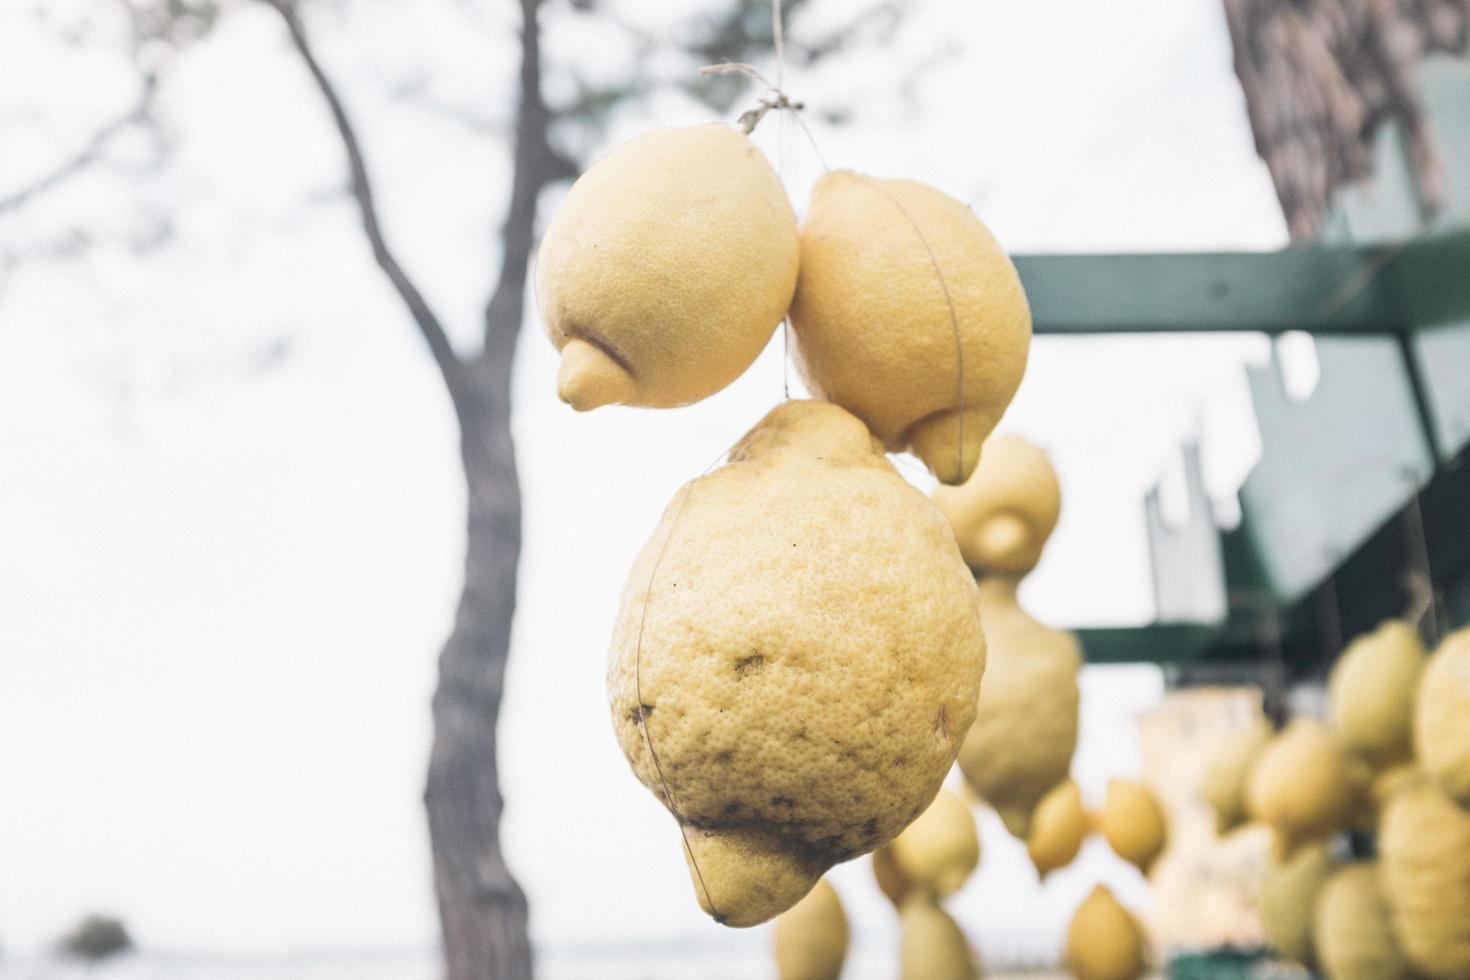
(482, 909)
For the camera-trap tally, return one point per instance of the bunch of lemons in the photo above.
(798, 652)
(1392, 759)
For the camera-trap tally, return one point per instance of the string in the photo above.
(1425, 602)
(684, 495)
(954, 320)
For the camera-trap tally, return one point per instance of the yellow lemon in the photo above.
(1354, 937)
(1303, 786)
(1057, 828)
(1133, 822)
(939, 850)
(1026, 720)
(1003, 514)
(909, 315)
(1371, 693)
(1105, 941)
(1442, 717)
(1224, 787)
(811, 936)
(1289, 890)
(1424, 853)
(666, 269)
(796, 659)
(931, 944)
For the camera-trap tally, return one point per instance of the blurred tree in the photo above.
(482, 908)
(1320, 77)
(96, 937)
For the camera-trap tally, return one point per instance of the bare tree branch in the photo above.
(89, 152)
(534, 166)
(418, 307)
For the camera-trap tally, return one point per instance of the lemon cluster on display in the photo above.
(797, 656)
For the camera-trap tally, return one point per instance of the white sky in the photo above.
(229, 501)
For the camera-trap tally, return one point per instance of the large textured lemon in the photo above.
(909, 315)
(1371, 693)
(796, 659)
(811, 936)
(1132, 820)
(1057, 828)
(1424, 853)
(935, 853)
(1302, 786)
(931, 944)
(1026, 721)
(1104, 941)
(1003, 514)
(1289, 889)
(1224, 786)
(1442, 717)
(666, 269)
(1354, 937)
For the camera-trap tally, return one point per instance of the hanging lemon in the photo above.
(666, 269)
(1132, 820)
(1424, 848)
(1289, 889)
(1371, 693)
(1026, 721)
(910, 315)
(1105, 941)
(1354, 935)
(1224, 787)
(796, 659)
(1302, 786)
(935, 853)
(1442, 717)
(811, 936)
(931, 944)
(1057, 828)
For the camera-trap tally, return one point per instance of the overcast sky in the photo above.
(230, 509)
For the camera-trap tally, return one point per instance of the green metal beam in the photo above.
(1322, 289)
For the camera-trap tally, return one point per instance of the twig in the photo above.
(362, 191)
(89, 151)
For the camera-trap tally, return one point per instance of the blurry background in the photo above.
(231, 514)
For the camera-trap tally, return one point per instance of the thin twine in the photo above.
(1421, 578)
(959, 347)
(775, 98)
(684, 496)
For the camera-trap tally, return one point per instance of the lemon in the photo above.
(931, 944)
(666, 269)
(1303, 786)
(1025, 729)
(1354, 937)
(935, 853)
(1224, 786)
(1057, 828)
(811, 936)
(1104, 940)
(1371, 693)
(1289, 890)
(796, 659)
(909, 315)
(1133, 822)
(1003, 514)
(1442, 717)
(1424, 849)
